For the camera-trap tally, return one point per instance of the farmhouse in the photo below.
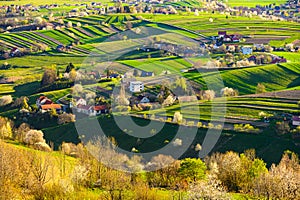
(79, 101)
(136, 86)
(43, 100)
(247, 50)
(49, 107)
(296, 120)
(92, 110)
(85, 109)
(147, 74)
(100, 109)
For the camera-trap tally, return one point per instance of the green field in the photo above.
(236, 108)
(274, 77)
(253, 3)
(239, 142)
(232, 24)
(44, 2)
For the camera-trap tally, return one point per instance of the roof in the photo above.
(42, 97)
(50, 106)
(98, 108)
(83, 107)
(136, 82)
(296, 118)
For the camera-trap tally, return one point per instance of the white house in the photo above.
(136, 86)
(246, 50)
(79, 101)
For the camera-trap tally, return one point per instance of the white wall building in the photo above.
(136, 86)
(247, 50)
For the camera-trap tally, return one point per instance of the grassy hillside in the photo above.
(232, 24)
(251, 3)
(274, 77)
(263, 143)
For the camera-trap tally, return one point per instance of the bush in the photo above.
(34, 136)
(209, 95)
(245, 128)
(5, 100)
(65, 118)
(177, 117)
(228, 92)
(42, 146)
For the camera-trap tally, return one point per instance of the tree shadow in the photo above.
(26, 89)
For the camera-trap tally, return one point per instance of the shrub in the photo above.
(42, 146)
(199, 124)
(5, 100)
(5, 128)
(228, 92)
(177, 117)
(177, 142)
(209, 95)
(245, 128)
(190, 123)
(34, 136)
(260, 88)
(65, 118)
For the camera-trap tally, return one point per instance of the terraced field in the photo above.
(232, 24)
(251, 3)
(238, 110)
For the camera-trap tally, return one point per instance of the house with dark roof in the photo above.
(296, 120)
(147, 74)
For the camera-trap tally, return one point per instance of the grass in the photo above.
(158, 65)
(45, 2)
(234, 108)
(232, 24)
(290, 56)
(274, 77)
(251, 3)
(228, 141)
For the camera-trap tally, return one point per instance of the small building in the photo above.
(246, 50)
(85, 109)
(145, 100)
(222, 34)
(136, 86)
(296, 120)
(79, 101)
(60, 48)
(43, 100)
(100, 109)
(15, 52)
(147, 74)
(227, 38)
(49, 107)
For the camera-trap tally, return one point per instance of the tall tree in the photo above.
(69, 67)
(192, 169)
(49, 76)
